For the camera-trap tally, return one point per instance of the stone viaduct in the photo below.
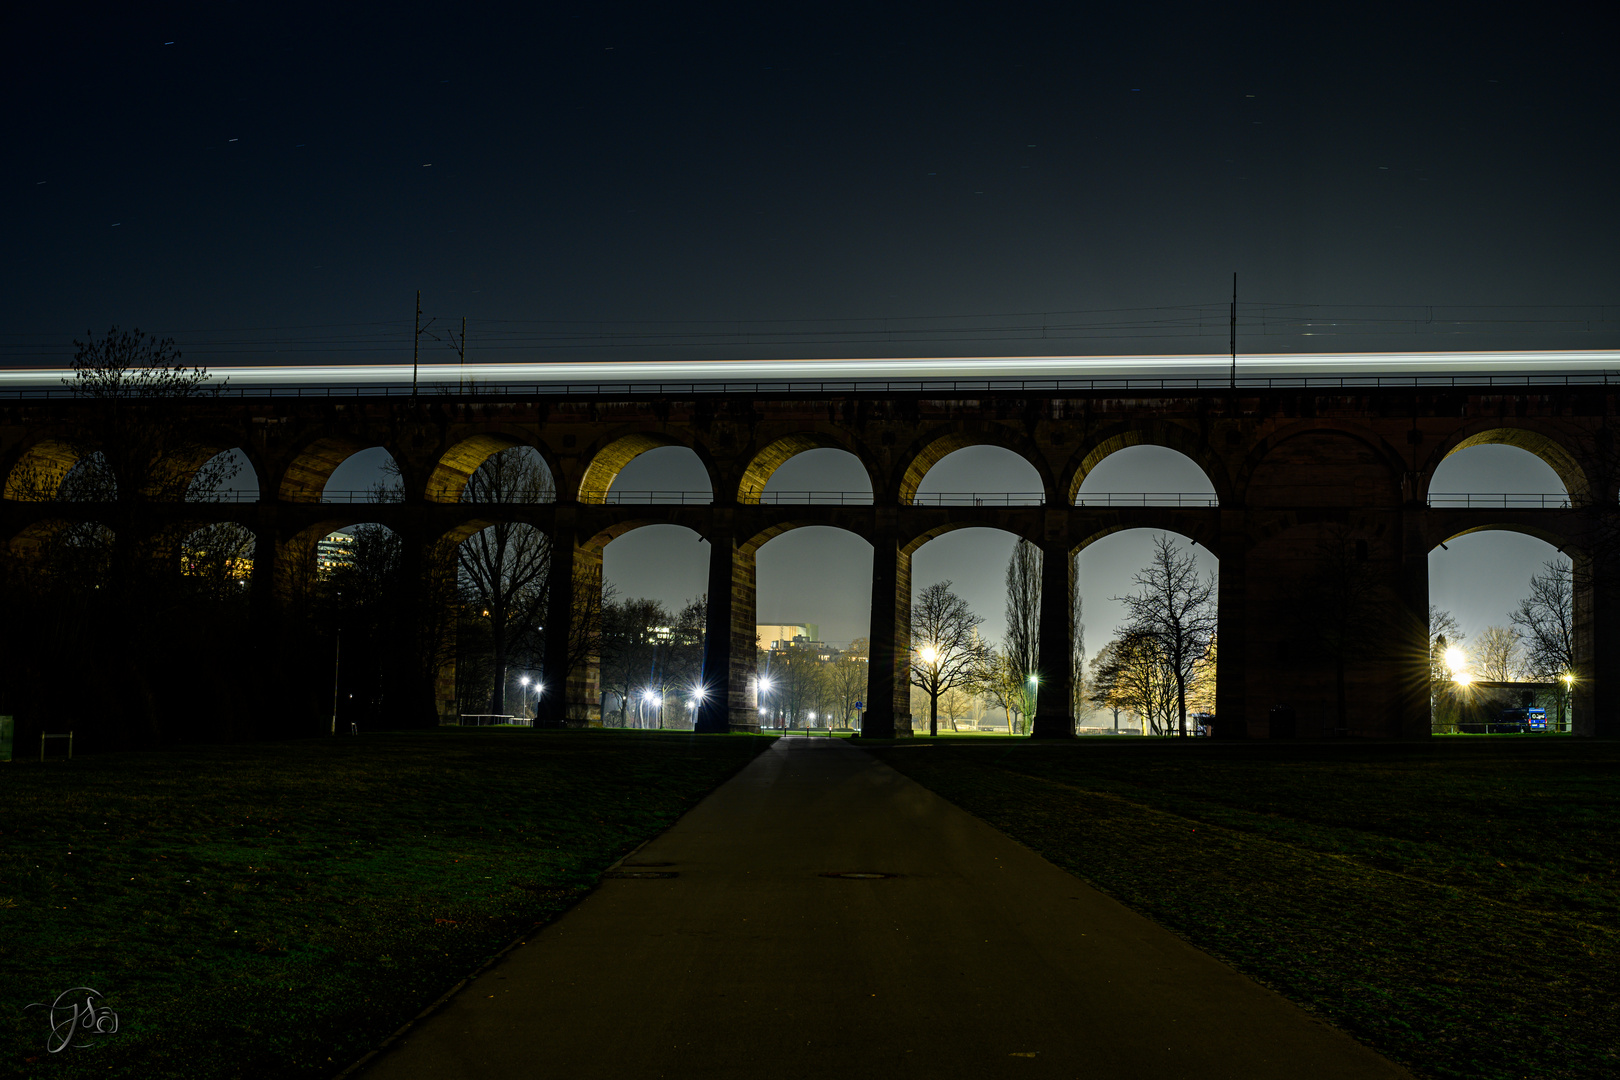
(1288, 465)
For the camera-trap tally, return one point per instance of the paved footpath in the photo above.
(978, 959)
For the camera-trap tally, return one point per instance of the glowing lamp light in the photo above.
(1034, 680)
(764, 685)
(1568, 677)
(1462, 678)
(929, 654)
(649, 697)
(1455, 660)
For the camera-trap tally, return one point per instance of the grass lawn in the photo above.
(276, 910)
(1455, 905)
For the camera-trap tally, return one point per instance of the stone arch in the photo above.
(456, 465)
(1182, 440)
(1203, 531)
(1550, 536)
(757, 474)
(916, 540)
(32, 542)
(209, 451)
(305, 477)
(1534, 438)
(612, 455)
(237, 566)
(930, 449)
(37, 473)
(1346, 466)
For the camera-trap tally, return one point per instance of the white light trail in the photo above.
(435, 377)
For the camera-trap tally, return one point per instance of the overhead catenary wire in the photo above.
(1274, 321)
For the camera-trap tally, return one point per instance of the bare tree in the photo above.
(944, 631)
(504, 568)
(1133, 672)
(1004, 685)
(1445, 634)
(847, 679)
(799, 685)
(1021, 646)
(1497, 654)
(107, 587)
(629, 657)
(1546, 621)
(1174, 608)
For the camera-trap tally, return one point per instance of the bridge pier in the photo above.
(1232, 719)
(1289, 465)
(1054, 693)
(888, 690)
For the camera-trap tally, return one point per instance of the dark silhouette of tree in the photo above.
(1134, 672)
(503, 568)
(1021, 645)
(1546, 621)
(1004, 685)
(1174, 608)
(1498, 651)
(112, 582)
(847, 679)
(629, 658)
(944, 633)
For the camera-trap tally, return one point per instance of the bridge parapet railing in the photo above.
(1148, 498)
(1439, 500)
(1470, 500)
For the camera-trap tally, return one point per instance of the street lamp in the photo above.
(762, 686)
(1568, 679)
(649, 697)
(523, 681)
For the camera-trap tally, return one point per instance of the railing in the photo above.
(887, 386)
(975, 498)
(1437, 499)
(1148, 498)
(1499, 501)
(367, 496)
(489, 720)
(663, 498)
(813, 498)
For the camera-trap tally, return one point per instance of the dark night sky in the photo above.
(275, 185)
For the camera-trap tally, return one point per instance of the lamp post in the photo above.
(1029, 712)
(763, 687)
(523, 681)
(1568, 679)
(648, 697)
